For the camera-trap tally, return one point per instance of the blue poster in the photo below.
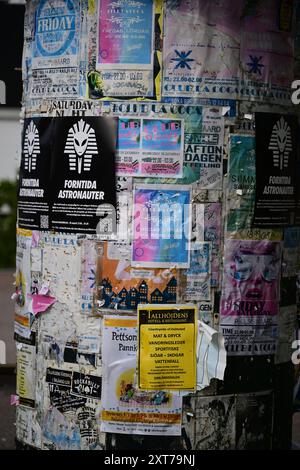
(162, 225)
(125, 33)
(129, 130)
(56, 33)
(200, 259)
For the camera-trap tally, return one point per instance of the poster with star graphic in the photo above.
(33, 187)
(227, 49)
(266, 48)
(201, 47)
(276, 177)
(82, 174)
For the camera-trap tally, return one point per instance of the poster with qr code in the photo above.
(33, 190)
(83, 190)
(62, 185)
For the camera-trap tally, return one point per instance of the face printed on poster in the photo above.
(252, 270)
(249, 302)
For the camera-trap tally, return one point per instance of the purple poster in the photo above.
(150, 147)
(128, 146)
(162, 148)
(125, 34)
(162, 226)
(249, 303)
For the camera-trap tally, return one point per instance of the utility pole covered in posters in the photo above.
(158, 238)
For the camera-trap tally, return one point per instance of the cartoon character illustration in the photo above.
(159, 398)
(96, 85)
(128, 392)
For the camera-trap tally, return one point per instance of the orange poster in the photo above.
(121, 286)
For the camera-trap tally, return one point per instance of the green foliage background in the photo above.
(8, 195)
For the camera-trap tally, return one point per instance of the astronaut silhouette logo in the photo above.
(276, 167)
(281, 143)
(81, 145)
(31, 147)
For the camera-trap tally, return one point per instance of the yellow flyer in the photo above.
(167, 347)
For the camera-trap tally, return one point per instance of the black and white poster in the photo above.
(254, 421)
(83, 172)
(227, 422)
(86, 385)
(33, 190)
(67, 176)
(59, 383)
(209, 422)
(276, 159)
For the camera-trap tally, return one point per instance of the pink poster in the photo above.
(251, 276)
(201, 46)
(228, 49)
(266, 51)
(125, 34)
(150, 147)
(162, 147)
(250, 297)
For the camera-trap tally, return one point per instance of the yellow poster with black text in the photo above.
(167, 347)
